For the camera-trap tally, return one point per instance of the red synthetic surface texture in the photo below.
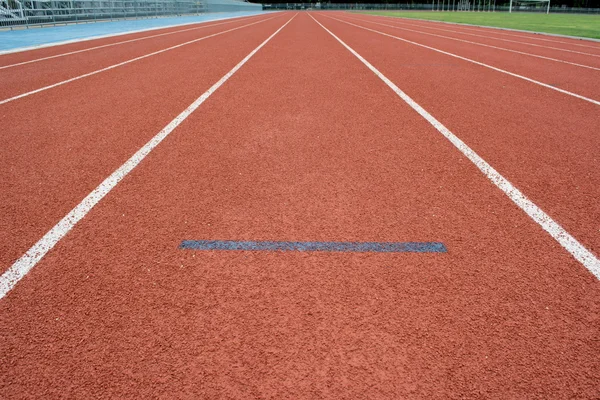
(29, 77)
(539, 139)
(11, 58)
(444, 41)
(84, 130)
(305, 143)
(504, 36)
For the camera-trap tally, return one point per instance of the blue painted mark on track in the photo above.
(19, 38)
(349, 247)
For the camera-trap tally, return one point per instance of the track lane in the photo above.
(64, 53)
(475, 62)
(584, 82)
(506, 313)
(546, 153)
(577, 42)
(473, 42)
(27, 79)
(558, 233)
(540, 37)
(53, 50)
(81, 134)
(582, 45)
(578, 55)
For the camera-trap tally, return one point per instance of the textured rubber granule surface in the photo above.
(32, 76)
(79, 133)
(583, 81)
(304, 143)
(540, 140)
(587, 46)
(21, 56)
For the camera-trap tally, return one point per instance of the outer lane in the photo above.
(582, 81)
(29, 77)
(577, 55)
(27, 55)
(61, 143)
(582, 45)
(541, 140)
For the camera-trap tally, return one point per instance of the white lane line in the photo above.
(85, 39)
(504, 40)
(473, 61)
(477, 44)
(501, 31)
(23, 265)
(125, 62)
(568, 242)
(119, 43)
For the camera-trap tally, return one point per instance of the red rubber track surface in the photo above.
(585, 46)
(22, 56)
(446, 42)
(32, 76)
(64, 141)
(305, 143)
(583, 81)
(539, 139)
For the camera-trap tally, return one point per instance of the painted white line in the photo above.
(23, 265)
(478, 44)
(504, 40)
(119, 43)
(43, 46)
(568, 242)
(125, 62)
(473, 61)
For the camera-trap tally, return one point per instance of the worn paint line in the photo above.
(346, 247)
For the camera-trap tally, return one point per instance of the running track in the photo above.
(301, 142)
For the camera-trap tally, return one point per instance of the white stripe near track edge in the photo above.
(472, 61)
(505, 40)
(109, 35)
(564, 238)
(475, 43)
(498, 30)
(118, 43)
(124, 63)
(23, 265)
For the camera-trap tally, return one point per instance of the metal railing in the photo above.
(26, 13)
(14, 13)
(435, 5)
